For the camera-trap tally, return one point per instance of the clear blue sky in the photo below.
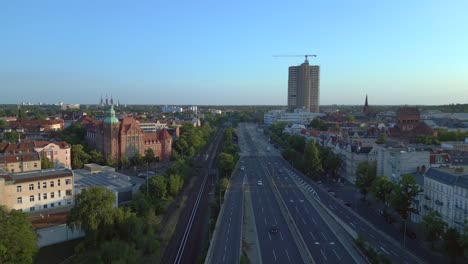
(220, 52)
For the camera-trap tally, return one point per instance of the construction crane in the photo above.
(306, 56)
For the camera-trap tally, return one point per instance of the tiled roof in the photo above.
(441, 176)
(408, 112)
(19, 157)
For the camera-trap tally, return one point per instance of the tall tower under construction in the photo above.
(304, 87)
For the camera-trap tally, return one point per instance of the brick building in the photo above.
(115, 138)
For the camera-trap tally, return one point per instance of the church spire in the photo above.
(366, 109)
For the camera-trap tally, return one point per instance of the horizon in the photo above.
(211, 53)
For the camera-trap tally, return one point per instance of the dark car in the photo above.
(273, 229)
(348, 204)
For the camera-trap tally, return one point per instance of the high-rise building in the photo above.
(304, 87)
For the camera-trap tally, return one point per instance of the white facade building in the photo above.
(300, 117)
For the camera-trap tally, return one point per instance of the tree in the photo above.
(158, 187)
(118, 251)
(79, 156)
(12, 136)
(433, 226)
(452, 243)
(382, 139)
(111, 161)
(319, 124)
(181, 145)
(93, 210)
(223, 184)
(225, 164)
(401, 198)
(96, 157)
(137, 160)
(149, 156)
(331, 162)
(381, 189)
(3, 123)
(365, 176)
(297, 143)
(124, 162)
(175, 183)
(312, 164)
(350, 118)
(46, 163)
(18, 240)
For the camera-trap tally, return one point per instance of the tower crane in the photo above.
(305, 55)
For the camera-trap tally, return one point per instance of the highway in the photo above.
(226, 243)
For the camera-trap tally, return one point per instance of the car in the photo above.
(151, 173)
(273, 229)
(348, 204)
(242, 168)
(141, 175)
(259, 183)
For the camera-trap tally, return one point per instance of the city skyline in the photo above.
(215, 53)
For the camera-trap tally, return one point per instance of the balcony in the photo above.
(439, 203)
(461, 210)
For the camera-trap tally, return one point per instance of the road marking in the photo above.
(323, 254)
(383, 249)
(225, 248)
(337, 255)
(274, 254)
(287, 254)
(265, 220)
(312, 236)
(269, 235)
(323, 236)
(307, 211)
(353, 225)
(371, 236)
(276, 222)
(394, 253)
(281, 235)
(313, 220)
(224, 257)
(262, 209)
(303, 220)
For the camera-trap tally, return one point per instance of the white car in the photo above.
(259, 183)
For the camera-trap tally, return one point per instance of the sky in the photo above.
(221, 52)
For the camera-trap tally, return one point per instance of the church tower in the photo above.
(111, 126)
(366, 109)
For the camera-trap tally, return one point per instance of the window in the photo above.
(52, 205)
(67, 181)
(52, 195)
(38, 185)
(44, 185)
(31, 187)
(59, 193)
(20, 210)
(38, 196)
(18, 188)
(45, 206)
(27, 165)
(19, 200)
(35, 165)
(32, 208)
(58, 182)
(68, 192)
(52, 184)
(31, 198)
(44, 195)
(59, 203)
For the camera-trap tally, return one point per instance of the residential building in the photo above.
(20, 162)
(153, 126)
(34, 126)
(115, 138)
(36, 190)
(393, 162)
(304, 87)
(59, 153)
(446, 191)
(353, 155)
(297, 117)
(456, 145)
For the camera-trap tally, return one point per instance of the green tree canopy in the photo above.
(46, 163)
(223, 184)
(175, 183)
(12, 136)
(381, 189)
(96, 157)
(433, 226)
(158, 187)
(149, 156)
(94, 209)
(382, 139)
(452, 244)
(401, 198)
(312, 163)
(365, 176)
(225, 164)
(18, 241)
(319, 124)
(79, 156)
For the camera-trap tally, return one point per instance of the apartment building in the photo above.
(36, 190)
(20, 162)
(59, 153)
(393, 162)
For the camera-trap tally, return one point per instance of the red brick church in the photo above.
(115, 138)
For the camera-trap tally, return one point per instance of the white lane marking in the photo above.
(303, 220)
(337, 255)
(313, 220)
(323, 236)
(262, 209)
(353, 225)
(274, 254)
(312, 236)
(371, 236)
(265, 220)
(287, 254)
(323, 254)
(281, 235)
(269, 236)
(394, 253)
(225, 248)
(276, 222)
(383, 249)
(224, 257)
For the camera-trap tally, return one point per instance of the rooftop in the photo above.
(106, 177)
(37, 175)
